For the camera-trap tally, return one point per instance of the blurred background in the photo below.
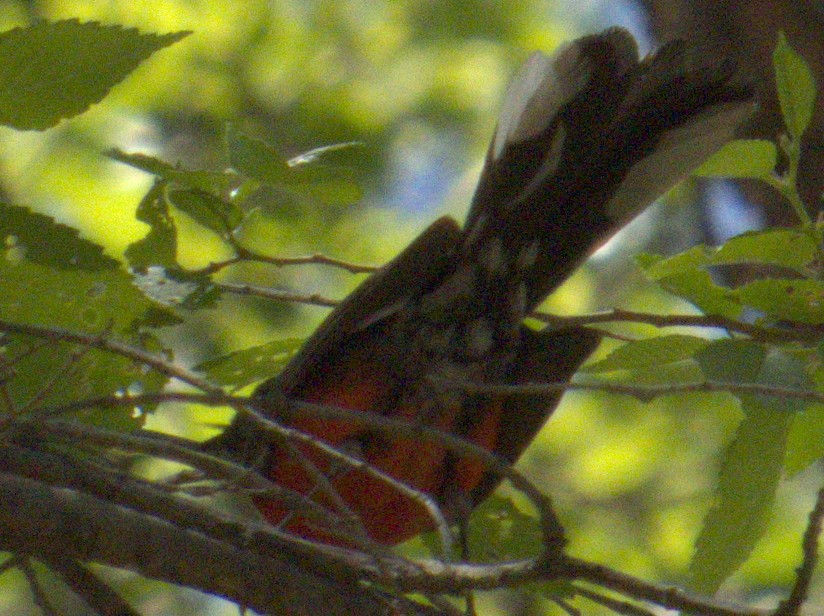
(419, 83)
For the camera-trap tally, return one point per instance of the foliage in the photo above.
(64, 297)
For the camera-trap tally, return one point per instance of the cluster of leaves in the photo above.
(777, 434)
(53, 278)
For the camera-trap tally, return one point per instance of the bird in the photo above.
(587, 138)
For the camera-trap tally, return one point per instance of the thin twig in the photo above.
(276, 295)
(104, 343)
(799, 332)
(245, 255)
(642, 392)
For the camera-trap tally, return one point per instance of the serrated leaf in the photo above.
(52, 71)
(742, 158)
(649, 353)
(96, 302)
(749, 477)
(254, 158)
(796, 87)
(242, 368)
(39, 239)
(783, 247)
(159, 247)
(793, 300)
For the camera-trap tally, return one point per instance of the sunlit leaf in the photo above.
(783, 247)
(101, 302)
(742, 158)
(698, 288)
(790, 299)
(805, 444)
(796, 87)
(649, 353)
(52, 71)
(656, 267)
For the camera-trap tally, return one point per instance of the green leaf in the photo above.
(796, 87)
(656, 267)
(39, 239)
(159, 247)
(649, 353)
(698, 288)
(742, 158)
(52, 71)
(242, 368)
(804, 443)
(782, 247)
(207, 210)
(792, 300)
(255, 158)
(748, 480)
(55, 373)
(732, 361)
(210, 182)
(747, 362)
(499, 530)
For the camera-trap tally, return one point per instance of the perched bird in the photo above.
(587, 138)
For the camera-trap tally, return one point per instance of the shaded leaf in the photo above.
(247, 366)
(68, 67)
(207, 181)
(55, 373)
(254, 158)
(499, 530)
(159, 247)
(749, 477)
(207, 210)
(39, 239)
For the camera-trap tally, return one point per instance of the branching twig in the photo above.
(245, 255)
